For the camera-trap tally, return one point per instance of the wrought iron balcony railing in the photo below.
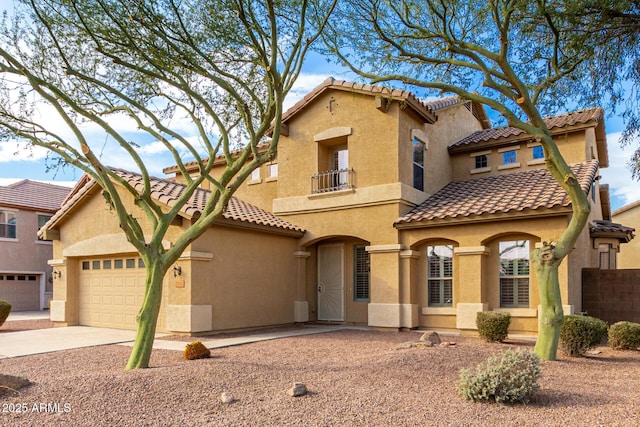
(324, 182)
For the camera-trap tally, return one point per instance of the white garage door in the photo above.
(111, 292)
(21, 290)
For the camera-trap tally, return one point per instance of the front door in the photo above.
(330, 283)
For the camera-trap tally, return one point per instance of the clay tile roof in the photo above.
(33, 195)
(603, 228)
(555, 122)
(167, 192)
(528, 190)
(442, 103)
(373, 90)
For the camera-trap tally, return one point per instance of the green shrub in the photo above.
(581, 333)
(5, 309)
(624, 336)
(509, 378)
(493, 326)
(196, 350)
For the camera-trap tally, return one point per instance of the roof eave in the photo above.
(485, 218)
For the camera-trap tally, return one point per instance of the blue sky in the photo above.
(17, 163)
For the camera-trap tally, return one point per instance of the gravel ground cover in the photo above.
(25, 325)
(354, 377)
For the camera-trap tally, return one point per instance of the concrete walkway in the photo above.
(25, 343)
(28, 315)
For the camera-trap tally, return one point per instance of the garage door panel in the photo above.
(112, 297)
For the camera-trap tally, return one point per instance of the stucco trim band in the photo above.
(105, 244)
(374, 249)
(393, 315)
(471, 250)
(196, 256)
(333, 133)
(58, 310)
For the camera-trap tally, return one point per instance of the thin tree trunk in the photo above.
(551, 314)
(147, 318)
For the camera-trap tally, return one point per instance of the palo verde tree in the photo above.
(611, 75)
(225, 66)
(511, 55)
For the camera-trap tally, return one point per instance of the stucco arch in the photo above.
(511, 235)
(430, 241)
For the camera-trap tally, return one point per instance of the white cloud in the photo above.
(618, 175)
(13, 151)
(305, 83)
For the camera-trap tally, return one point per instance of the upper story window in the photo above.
(42, 220)
(440, 275)
(8, 224)
(418, 164)
(509, 157)
(334, 173)
(273, 170)
(255, 175)
(537, 152)
(514, 273)
(481, 161)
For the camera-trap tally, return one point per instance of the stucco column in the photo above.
(64, 308)
(187, 305)
(471, 293)
(390, 305)
(409, 288)
(301, 305)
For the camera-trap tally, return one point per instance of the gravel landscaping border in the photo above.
(354, 378)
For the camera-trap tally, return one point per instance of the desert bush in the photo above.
(196, 350)
(579, 334)
(493, 326)
(509, 378)
(624, 336)
(5, 309)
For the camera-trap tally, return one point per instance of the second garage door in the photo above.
(111, 292)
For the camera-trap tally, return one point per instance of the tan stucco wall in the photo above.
(575, 147)
(250, 280)
(453, 124)
(629, 256)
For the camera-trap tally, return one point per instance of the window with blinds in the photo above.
(360, 273)
(514, 273)
(440, 275)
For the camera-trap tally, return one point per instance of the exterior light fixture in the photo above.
(177, 271)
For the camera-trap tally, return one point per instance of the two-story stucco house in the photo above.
(26, 280)
(379, 209)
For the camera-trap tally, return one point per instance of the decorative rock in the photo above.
(432, 337)
(298, 389)
(422, 344)
(226, 397)
(447, 344)
(405, 345)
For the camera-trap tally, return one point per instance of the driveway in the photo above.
(24, 343)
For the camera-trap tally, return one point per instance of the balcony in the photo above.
(336, 180)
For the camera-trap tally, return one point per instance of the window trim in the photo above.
(515, 278)
(442, 279)
(8, 224)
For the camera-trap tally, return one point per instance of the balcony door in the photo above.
(331, 282)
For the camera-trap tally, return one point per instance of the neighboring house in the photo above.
(26, 280)
(379, 210)
(629, 256)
